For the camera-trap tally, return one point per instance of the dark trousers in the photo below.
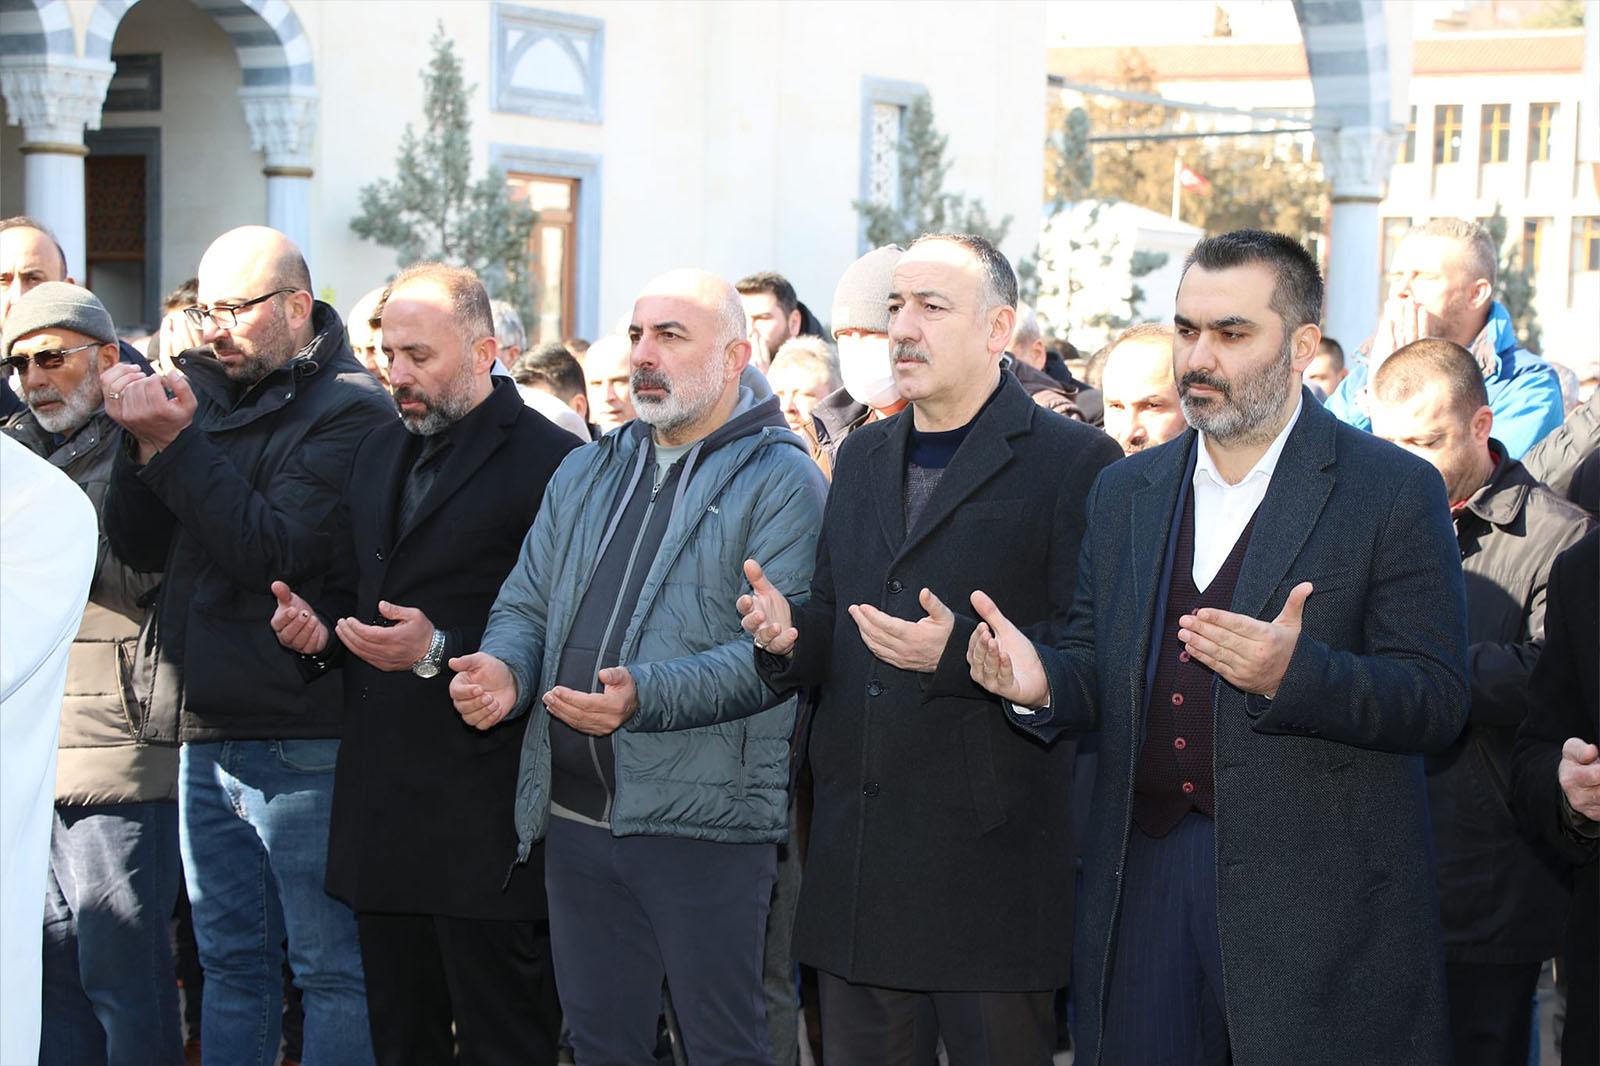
(492, 979)
(1491, 1011)
(867, 1026)
(626, 912)
(1164, 1004)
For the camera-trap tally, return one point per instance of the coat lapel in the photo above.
(1150, 517)
(886, 465)
(468, 454)
(1301, 484)
(984, 453)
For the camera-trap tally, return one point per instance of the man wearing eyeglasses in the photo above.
(230, 480)
(109, 989)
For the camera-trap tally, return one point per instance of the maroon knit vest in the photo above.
(1174, 773)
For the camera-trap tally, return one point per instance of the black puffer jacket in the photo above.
(242, 498)
(1503, 898)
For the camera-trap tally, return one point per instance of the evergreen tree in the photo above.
(1516, 288)
(432, 209)
(924, 205)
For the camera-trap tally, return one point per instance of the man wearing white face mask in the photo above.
(861, 331)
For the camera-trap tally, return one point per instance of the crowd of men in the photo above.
(751, 691)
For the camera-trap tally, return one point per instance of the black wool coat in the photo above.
(1328, 911)
(1564, 702)
(941, 840)
(422, 801)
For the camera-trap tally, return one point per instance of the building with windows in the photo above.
(733, 136)
(1494, 124)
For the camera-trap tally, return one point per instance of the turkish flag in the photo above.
(1193, 180)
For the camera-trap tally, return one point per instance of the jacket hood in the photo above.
(750, 416)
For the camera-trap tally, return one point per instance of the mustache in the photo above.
(1205, 380)
(905, 351)
(408, 394)
(646, 378)
(44, 395)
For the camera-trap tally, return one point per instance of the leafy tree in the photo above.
(924, 205)
(432, 209)
(1261, 182)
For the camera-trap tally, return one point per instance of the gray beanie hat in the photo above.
(57, 305)
(862, 299)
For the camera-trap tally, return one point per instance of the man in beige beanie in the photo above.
(109, 989)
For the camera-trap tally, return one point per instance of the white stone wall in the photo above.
(730, 135)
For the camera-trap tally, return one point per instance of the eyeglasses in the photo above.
(226, 316)
(50, 359)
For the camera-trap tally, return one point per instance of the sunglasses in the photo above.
(46, 360)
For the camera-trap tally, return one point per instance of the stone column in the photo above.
(1357, 162)
(282, 121)
(53, 98)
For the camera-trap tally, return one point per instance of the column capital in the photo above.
(54, 98)
(1357, 160)
(282, 120)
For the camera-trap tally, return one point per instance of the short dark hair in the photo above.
(552, 366)
(1420, 363)
(185, 295)
(773, 282)
(27, 222)
(996, 267)
(1333, 350)
(469, 301)
(1297, 283)
(291, 269)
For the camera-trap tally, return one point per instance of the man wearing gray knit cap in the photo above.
(109, 993)
(861, 331)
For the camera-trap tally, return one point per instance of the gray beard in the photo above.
(76, 409)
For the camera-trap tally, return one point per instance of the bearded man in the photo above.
(655, 762)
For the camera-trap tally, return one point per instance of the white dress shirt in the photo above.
(1221, 510)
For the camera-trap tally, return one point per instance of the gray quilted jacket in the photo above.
(706, 754)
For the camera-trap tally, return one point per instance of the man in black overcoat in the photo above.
(1269, 631)
(422, 841)
(941, 842)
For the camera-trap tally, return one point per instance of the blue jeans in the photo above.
(110, 995)
(254, 833)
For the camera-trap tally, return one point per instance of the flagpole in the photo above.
(1177, 168)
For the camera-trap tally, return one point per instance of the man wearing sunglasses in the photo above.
(230, 481)
(109, 988)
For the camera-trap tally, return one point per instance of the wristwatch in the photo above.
(428, 665)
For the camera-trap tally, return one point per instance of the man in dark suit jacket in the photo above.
(1269, 630)
(941, 839)
(422, 842)
(1555, 782)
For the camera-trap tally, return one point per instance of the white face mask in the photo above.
(865, 367)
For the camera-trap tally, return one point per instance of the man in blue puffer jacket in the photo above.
(1441, 284)
(658, 778)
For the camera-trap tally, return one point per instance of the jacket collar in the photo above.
(1501, 500)
(472, 440)
(89, 437)
(1495, 346)
(985, 451)
(237, 407)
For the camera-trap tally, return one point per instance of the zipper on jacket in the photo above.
(605, 640)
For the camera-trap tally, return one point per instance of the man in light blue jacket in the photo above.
(658, 778)
(1441, 284)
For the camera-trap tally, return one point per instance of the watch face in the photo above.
(426, 669)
